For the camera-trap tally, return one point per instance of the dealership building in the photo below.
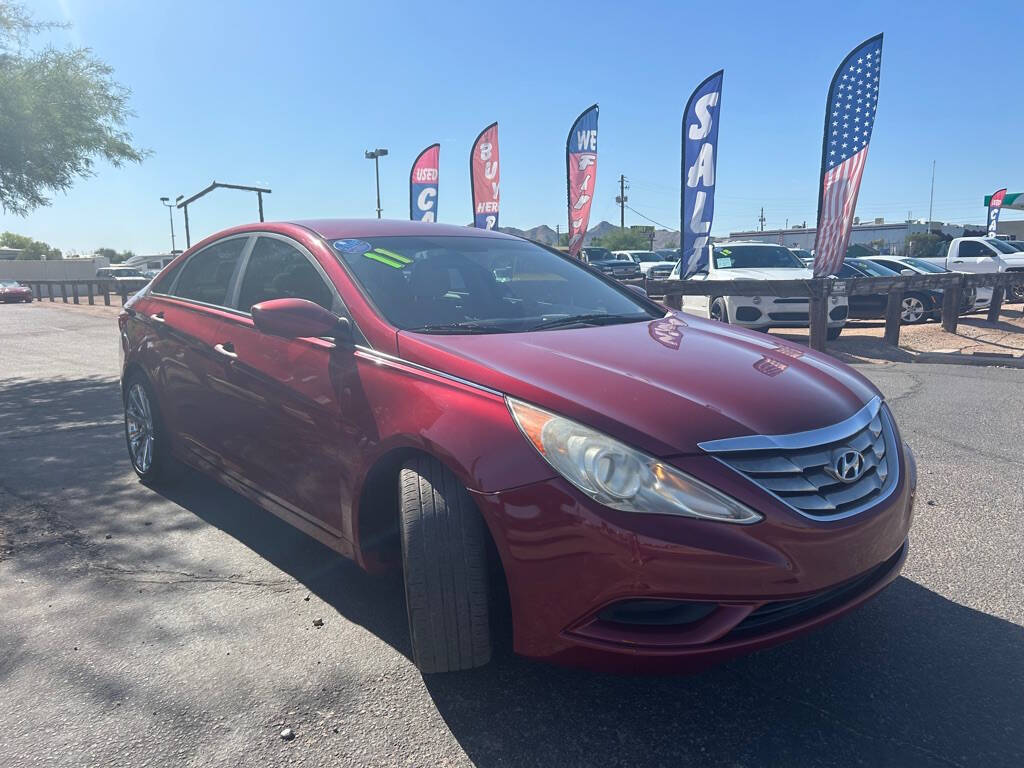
(882, 236)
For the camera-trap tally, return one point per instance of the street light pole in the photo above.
(375, 155)
(170, 214)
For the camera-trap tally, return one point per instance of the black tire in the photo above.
(833, 333)
(445, 568)
(718, 311)
(161, 464)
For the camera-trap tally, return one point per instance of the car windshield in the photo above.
(642, 257)
(873, 269)
(802, 253)
(456, 284)
(1000, 246)
(126, 273)
(598, 254)
(10, 283)
(756, 256)
(923, 266)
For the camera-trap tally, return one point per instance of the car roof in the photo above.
(331, 229)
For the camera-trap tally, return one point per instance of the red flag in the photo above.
(484, 178)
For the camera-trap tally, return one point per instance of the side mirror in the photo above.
(638, 289)
(299, 318)
(909, 272)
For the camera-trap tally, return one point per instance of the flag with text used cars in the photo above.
(995, 205)
(423, 185)
(849, 119)
(700, 149)
(581, 174)
(484, 178)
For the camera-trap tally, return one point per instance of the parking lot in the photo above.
(177, 626)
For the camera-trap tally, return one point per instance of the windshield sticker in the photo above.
(724, 262)
(352, 246)
(390, 258)
(725, 251)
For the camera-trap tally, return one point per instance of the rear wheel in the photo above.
(144, 432)
(445, 569)
(719, 311)
(913, 310)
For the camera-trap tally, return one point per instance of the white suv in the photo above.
(648, 260)
(758, 261)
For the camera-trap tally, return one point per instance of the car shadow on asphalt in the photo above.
(911, 678)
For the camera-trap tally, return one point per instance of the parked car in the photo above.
(124, 279)
(906, 265)
(11, 291)
(803, 254)
(758, 261)
(645, 487)
(615, 266)
(918, 306)
(649, 262)
(982, 255)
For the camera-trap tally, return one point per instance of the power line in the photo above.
(658, 223)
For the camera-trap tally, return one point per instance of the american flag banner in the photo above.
(849, 118)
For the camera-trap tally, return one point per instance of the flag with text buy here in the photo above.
(849, 119)
(484, 175)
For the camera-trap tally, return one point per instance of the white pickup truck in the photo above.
(982, 254)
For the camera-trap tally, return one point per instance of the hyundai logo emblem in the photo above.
(847, 465)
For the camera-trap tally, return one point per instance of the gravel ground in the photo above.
(145, 628)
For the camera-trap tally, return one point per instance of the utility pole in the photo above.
(761, 218)
(621, 200)
(931, 199)
(170, 214)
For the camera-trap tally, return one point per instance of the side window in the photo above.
(972, 248)
(207, 275)
(276, 270)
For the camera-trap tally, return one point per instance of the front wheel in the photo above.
(445, 567)
(718, 311)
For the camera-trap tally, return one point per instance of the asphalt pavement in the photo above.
(177, 627)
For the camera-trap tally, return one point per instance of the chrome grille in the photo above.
(800, 469)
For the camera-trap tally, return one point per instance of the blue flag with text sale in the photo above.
(700, 148)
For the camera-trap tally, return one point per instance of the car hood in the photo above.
(751, 273)
(663, 386)
(652, 264)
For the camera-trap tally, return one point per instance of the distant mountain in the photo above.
(548, 236)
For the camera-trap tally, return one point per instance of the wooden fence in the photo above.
(77, 289)
(819, 290)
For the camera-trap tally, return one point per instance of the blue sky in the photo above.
(290, 95)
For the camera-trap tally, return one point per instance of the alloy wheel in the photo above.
(913, 309)
(139, 422)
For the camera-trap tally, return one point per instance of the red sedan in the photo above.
(501, 422)
(12, 291)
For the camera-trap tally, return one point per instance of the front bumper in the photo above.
(776, 312)
(570, 563)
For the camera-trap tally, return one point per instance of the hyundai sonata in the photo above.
(514, 430)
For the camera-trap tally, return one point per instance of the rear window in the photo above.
(206, 276)
(479, 284)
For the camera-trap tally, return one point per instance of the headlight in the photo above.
(618, 476)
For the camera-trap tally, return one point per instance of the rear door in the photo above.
(974, 256)
(294, 441)
(187, 314)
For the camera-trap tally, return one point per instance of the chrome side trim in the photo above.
(797, 440)
(375, 355)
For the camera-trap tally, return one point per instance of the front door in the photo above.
(295, 440)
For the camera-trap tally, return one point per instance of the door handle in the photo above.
(227, 349)
(158, 317)
(958, 261)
